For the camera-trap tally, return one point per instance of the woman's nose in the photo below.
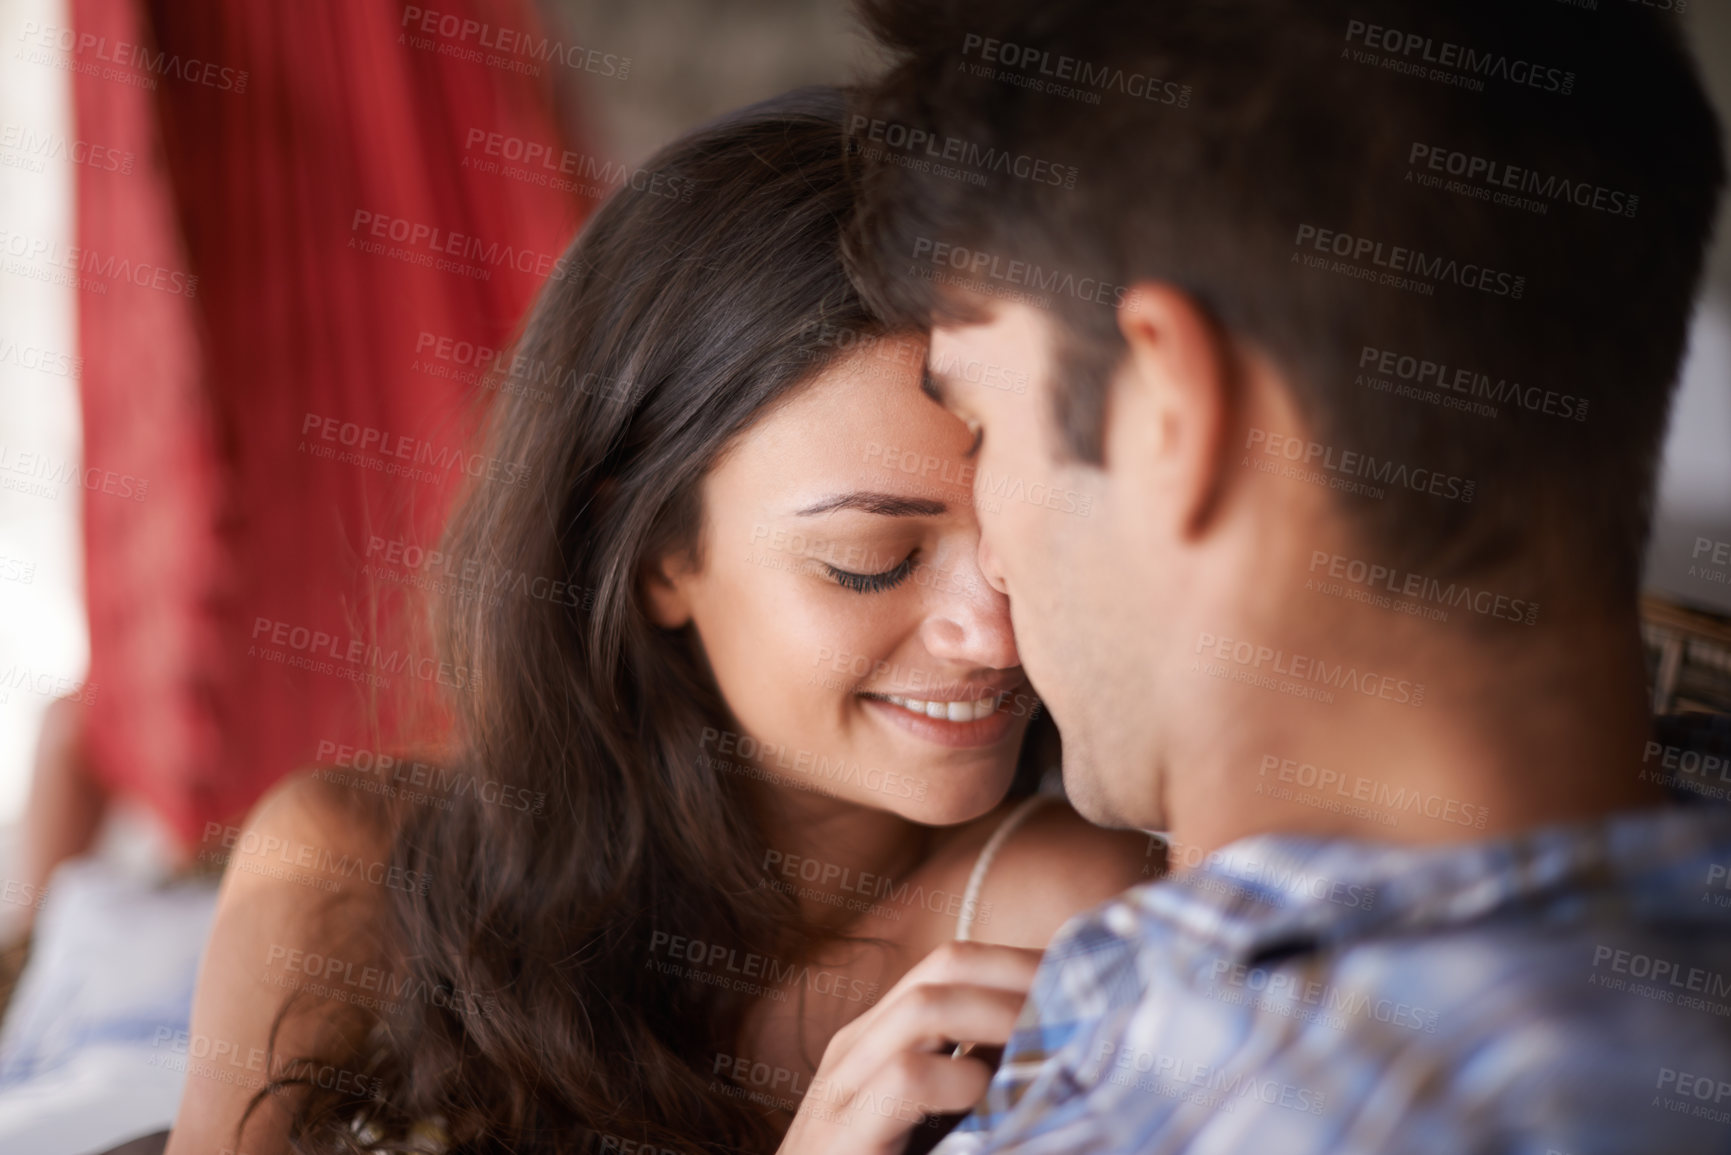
(969, 619)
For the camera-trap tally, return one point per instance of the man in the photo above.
(1358, 324)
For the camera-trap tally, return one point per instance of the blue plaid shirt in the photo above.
(1564, 991)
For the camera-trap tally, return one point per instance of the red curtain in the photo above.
(289, 278)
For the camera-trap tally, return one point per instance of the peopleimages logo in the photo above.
(1358, 788)
(512, 49)
(1452, 379)
(1501, 181)
(92, 51)
(1350, 463)
(1445, 60)
(954, 150)
(978, 265)
(833, 772)
(431, 241)
(1718, 566)
(375, 447)
(41, 258)
(545, 166)
(1057, 75)
(1304, 668)
(33, 149)
(39, 474)
(1378, 579)
(1400, 259)
(40, 360)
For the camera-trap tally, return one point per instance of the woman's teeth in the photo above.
(949, 711)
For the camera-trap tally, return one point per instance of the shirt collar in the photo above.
(1271, 894)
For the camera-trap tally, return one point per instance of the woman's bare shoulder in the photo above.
(299, 908)
(310, 805)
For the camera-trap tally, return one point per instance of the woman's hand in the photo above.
(889, 1068)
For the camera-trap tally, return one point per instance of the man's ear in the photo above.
(665, 596)
(1171, 403)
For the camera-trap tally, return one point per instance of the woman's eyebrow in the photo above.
(886, 504)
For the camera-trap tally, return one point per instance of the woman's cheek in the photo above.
(789, 650)
(834, 650)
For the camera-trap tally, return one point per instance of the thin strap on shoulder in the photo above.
(971, 897)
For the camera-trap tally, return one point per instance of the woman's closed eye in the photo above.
(872, 583)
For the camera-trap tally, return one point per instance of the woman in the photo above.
(739, 712)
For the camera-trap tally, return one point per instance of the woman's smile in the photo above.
(966, 722)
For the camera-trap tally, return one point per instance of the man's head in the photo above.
(1403, 285)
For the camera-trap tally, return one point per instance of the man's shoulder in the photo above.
(1584, 988)
(1551, 974)
(1597, 1037)
(1531, 1033)
(1572, 988)
(1600, 1034)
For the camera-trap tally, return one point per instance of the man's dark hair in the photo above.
(1530, 184)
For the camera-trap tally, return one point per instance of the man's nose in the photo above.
(989, 566)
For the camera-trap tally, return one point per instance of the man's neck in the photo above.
(1510, 735)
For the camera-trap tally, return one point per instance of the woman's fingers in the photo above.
(909, 1087)
(891, 1067)
(874, 1115)
(980, 963)
(930, 1017)
(916, 1012)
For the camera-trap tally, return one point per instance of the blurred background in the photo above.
(203, 289)
(688, 61)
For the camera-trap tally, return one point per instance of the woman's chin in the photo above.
(952, 806)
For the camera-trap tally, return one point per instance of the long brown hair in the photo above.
(694, 299)
(696, 296)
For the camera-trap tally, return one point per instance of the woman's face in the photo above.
(841, 605)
